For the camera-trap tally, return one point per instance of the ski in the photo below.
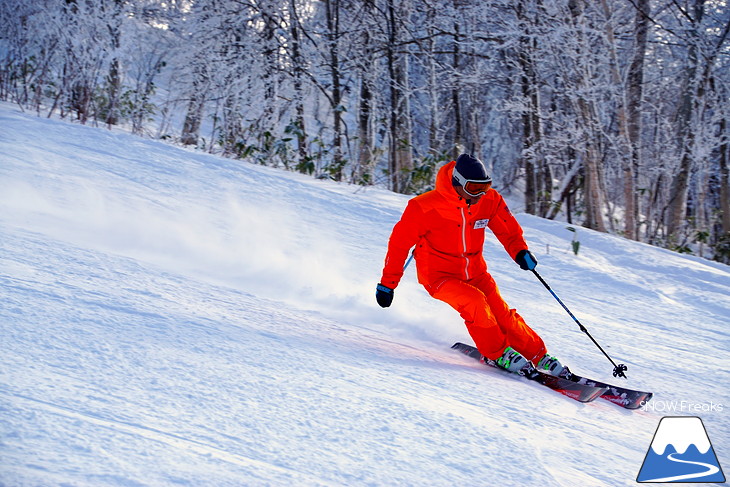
(621, 396)
(574, 390)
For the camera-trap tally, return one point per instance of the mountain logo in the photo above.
(681, 452)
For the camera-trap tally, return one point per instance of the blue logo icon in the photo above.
(681, 452)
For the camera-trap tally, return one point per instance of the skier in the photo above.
(446, 226)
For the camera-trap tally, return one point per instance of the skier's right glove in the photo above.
(384, 295)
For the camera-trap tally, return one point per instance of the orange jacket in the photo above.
(449, 234)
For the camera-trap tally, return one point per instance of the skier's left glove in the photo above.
(526, 260)
(384, 295)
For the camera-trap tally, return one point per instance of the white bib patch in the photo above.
(481, 224)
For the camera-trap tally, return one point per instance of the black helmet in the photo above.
(471, 174)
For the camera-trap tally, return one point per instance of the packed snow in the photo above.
(170, 317)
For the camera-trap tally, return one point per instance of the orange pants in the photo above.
(491, 323)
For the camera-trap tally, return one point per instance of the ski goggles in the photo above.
(473, 187)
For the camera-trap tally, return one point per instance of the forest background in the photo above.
(612, 114)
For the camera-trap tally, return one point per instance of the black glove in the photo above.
(526, 260)
(384, 295)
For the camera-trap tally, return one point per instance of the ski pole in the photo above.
(618, 370)
(409, 260)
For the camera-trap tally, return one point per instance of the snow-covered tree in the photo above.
(609, 114)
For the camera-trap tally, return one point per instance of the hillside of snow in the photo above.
(174, 318)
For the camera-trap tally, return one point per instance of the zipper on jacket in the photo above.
(463, 242)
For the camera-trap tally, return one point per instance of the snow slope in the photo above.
(173, 318)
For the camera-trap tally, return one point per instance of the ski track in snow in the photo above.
(173, 318)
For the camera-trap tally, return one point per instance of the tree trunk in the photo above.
(297, 62)
(627, 147)
(634, 101)
(687, 133)
(269, 29)
(194, 114)
(593, 192)
(538, 176)
(114, 86)
(114, 79)
(401, 159)
(724, 179)
(458, 142)
(592, 187)
(332, 8)
(435, 144)
(365, 156)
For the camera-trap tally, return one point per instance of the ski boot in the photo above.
(551, 365)
(513, 361)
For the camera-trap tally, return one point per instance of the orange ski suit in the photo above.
(449, 237)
